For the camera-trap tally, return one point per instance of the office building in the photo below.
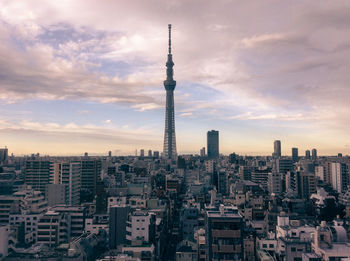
(222, 183)
(3, 154)
(118, 217)
(295, 156)
(314, 154)
(156, 154)
(276, 149)
(202, 152)
(307, 154)
(213, 144)
(142, 153)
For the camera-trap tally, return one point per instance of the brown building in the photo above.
(224, 239)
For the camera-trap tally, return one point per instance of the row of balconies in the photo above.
(226, 233)
(227, 248)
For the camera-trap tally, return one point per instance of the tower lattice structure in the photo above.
(169, 150)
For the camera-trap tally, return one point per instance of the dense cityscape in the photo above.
(197, 207)
(256, 169)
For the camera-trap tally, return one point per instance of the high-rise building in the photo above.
(90, 175)
(222, 182)
(224, 234)
(150, 153)
(314, 154)
(142, 153)
(213, 144)
(169, 151)
(3, 154)
(339, 174)
(202, 152)
(38, 174)
(307, 154)
(328, 172)
(118, 217)
(307, 184)
(156, 154)
(70, 175)
(320, 172)
(295, 156)
(276, 149)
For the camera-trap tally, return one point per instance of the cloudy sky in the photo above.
(85, 75)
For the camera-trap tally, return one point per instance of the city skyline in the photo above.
(92, 80)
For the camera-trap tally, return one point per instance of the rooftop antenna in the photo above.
(169, 26)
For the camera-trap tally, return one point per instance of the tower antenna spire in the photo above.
(169, 26)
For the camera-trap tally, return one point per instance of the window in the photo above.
(293, 249)
(271, 246)
(264, 245)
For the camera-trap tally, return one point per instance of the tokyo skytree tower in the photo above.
(169, 151)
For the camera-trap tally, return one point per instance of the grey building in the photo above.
(189, 221)
(276, 149)
(213, 144)
(90, 174)
(38, 173)
(314, 154)
(307, 154)
(295, 156)
(222, 182)
(118, 217)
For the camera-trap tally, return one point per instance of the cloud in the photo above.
(273, 61)
(255, 40)
(186, 114)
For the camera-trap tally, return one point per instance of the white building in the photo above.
(339, 173)
(320, 173)
(140, 226)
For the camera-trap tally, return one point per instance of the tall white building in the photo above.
(339, 176)
(320, 173)
(65, 184)
(70, 175)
